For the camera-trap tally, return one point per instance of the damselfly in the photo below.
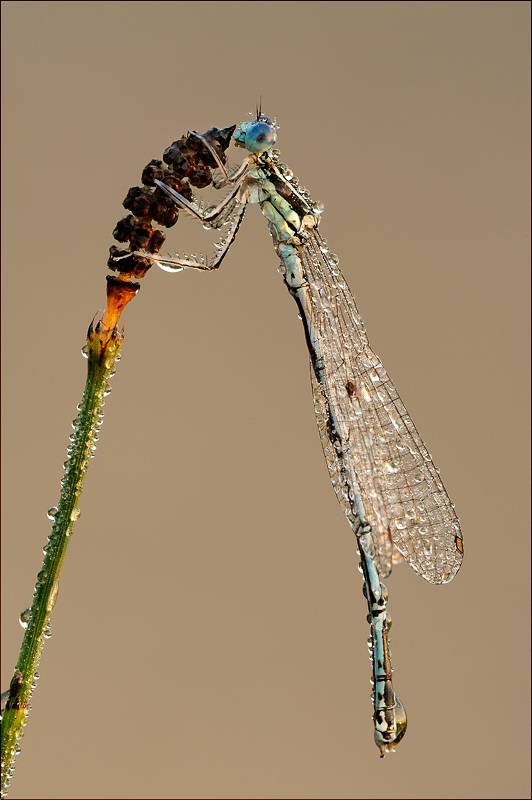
(381, 471)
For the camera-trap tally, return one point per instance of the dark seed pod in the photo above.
(173, 150)
(183, 164)
(114, 252)
(153, 170)
(166, 214)
(133, 264)
(180, 187)
(141, 206)
(186, 191)
(200, 177)
(222, 136)
(156, 241)
(179, 157)
(138, 202)
(132, 195)
(177, 185)
(140, 236)
(206, 158)
(123, 228)
(193, 143)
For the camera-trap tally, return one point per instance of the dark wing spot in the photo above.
(351, 389)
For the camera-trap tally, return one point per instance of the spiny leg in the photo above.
(228, 211)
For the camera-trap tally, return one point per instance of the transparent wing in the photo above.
(382, 461)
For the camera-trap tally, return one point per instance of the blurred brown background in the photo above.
(209, 639)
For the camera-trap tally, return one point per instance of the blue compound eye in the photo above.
(259, 137)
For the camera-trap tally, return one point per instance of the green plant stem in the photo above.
(103, 347)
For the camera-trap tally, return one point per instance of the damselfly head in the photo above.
(256, 136)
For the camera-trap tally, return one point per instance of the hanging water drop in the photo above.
(24, 617)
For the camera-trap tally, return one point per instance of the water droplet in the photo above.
(24, 617)
(51, 513)
(85, 351)
(107, 390)
(48, 631)
(325, 301)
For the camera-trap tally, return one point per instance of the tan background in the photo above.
(209, 639)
